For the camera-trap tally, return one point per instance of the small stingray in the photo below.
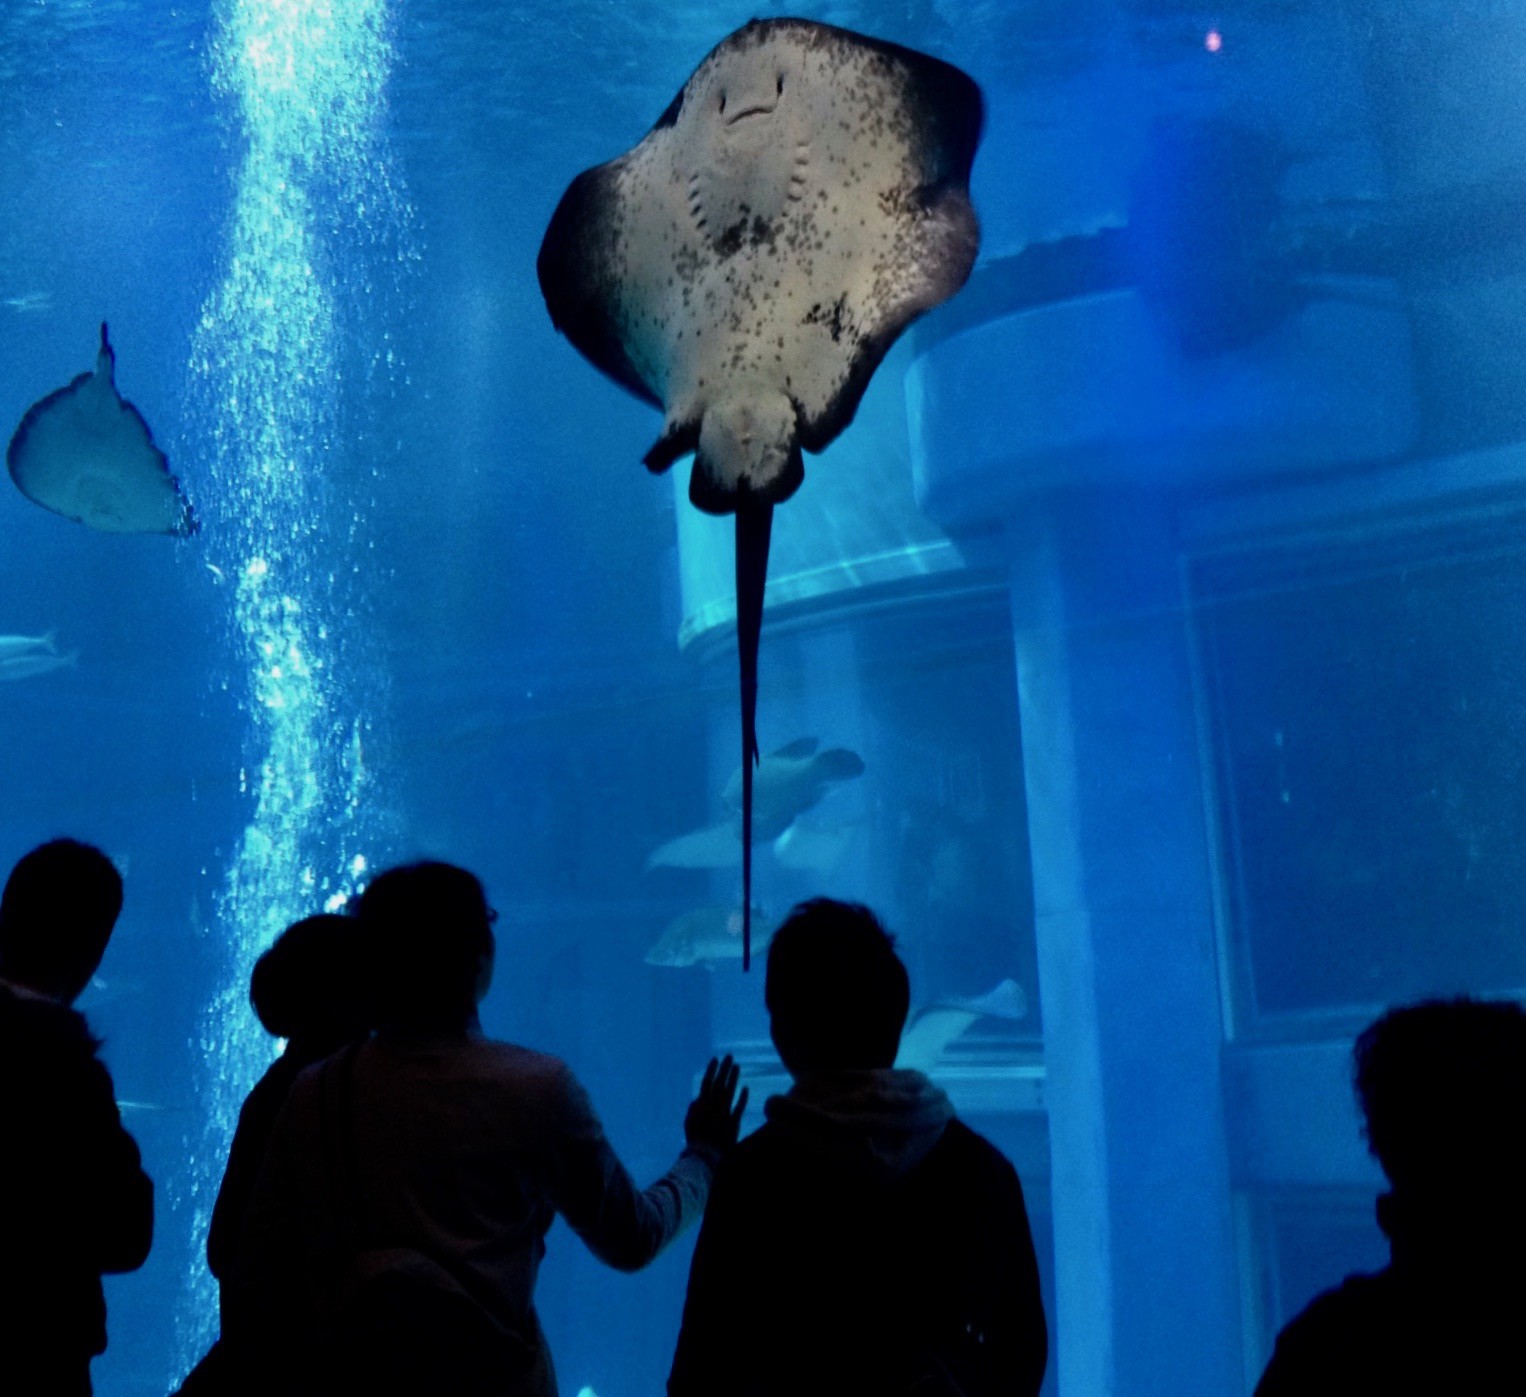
(85, 452)
(746, 267)
(930, 1033)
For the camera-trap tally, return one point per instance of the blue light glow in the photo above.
(270, 365)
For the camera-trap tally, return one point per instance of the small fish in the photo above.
(789, 782)
(14, 645)
(702, 936)
(26, 666)
(786, 784)
(816, 846)
(715, 846)
(29, 301)
(100, 991)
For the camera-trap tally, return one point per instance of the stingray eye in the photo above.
(779, 86)
(723, 104)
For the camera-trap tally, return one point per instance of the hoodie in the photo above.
(886, 1120)
(864, 1240)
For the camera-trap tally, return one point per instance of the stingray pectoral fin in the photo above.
(754, 526)
(677, 439)
(580, 273)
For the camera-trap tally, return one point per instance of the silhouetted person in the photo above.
(306, 989)
(74, 1200)
(864, 1241)
(1442, 1087)
(401, 1213)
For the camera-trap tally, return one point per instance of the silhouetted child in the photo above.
(401, 1212)
(864, 1240)
(308, 989)
(1442, 1087)
(74, 1200)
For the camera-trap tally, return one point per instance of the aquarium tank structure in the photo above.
(1146, 651)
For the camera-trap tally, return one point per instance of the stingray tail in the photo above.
(755, 521)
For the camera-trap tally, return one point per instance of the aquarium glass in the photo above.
(1145, 651)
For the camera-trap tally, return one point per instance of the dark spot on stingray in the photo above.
(730, 242)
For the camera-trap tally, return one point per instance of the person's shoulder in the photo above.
(1356, 1302)
(765, 1154)
(970, 1151)
(527, 1070)
(1337, 1342)
(47, 1024)
(1342, 1328)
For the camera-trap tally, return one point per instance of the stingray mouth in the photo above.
(756, 109)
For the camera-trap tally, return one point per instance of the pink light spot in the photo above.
(1213, 41)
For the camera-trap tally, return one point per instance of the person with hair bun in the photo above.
(308, 990)
(401, 1214)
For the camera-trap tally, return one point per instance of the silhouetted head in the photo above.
(1442, 1086)
(56, 915)
(836, 991)
(308, 986)
(429, 944)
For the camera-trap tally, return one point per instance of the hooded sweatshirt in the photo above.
(863, 1240)
(884, 1122)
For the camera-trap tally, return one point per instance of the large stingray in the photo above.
(85, 452)
(746, 267)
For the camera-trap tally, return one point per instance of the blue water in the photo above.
(1166, 585)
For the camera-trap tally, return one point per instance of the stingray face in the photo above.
(741, 138)
(744, 92)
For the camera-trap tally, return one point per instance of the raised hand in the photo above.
(715, 1115)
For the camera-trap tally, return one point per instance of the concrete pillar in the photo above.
(1144, 1243)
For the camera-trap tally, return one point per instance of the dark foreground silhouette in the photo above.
(864, 1240)
(1442, 1087)
(306, 989)
(74, 1200)
(401, 1210)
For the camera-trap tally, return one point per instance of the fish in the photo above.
(701, 936)
(37, 662)
(789, 782)
(100, 991)
(85, 452)
(14, 645)
(28, 301)
(816, 846)
(747, 265)
(714, 846)
(932, 1030)
(786, 784)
